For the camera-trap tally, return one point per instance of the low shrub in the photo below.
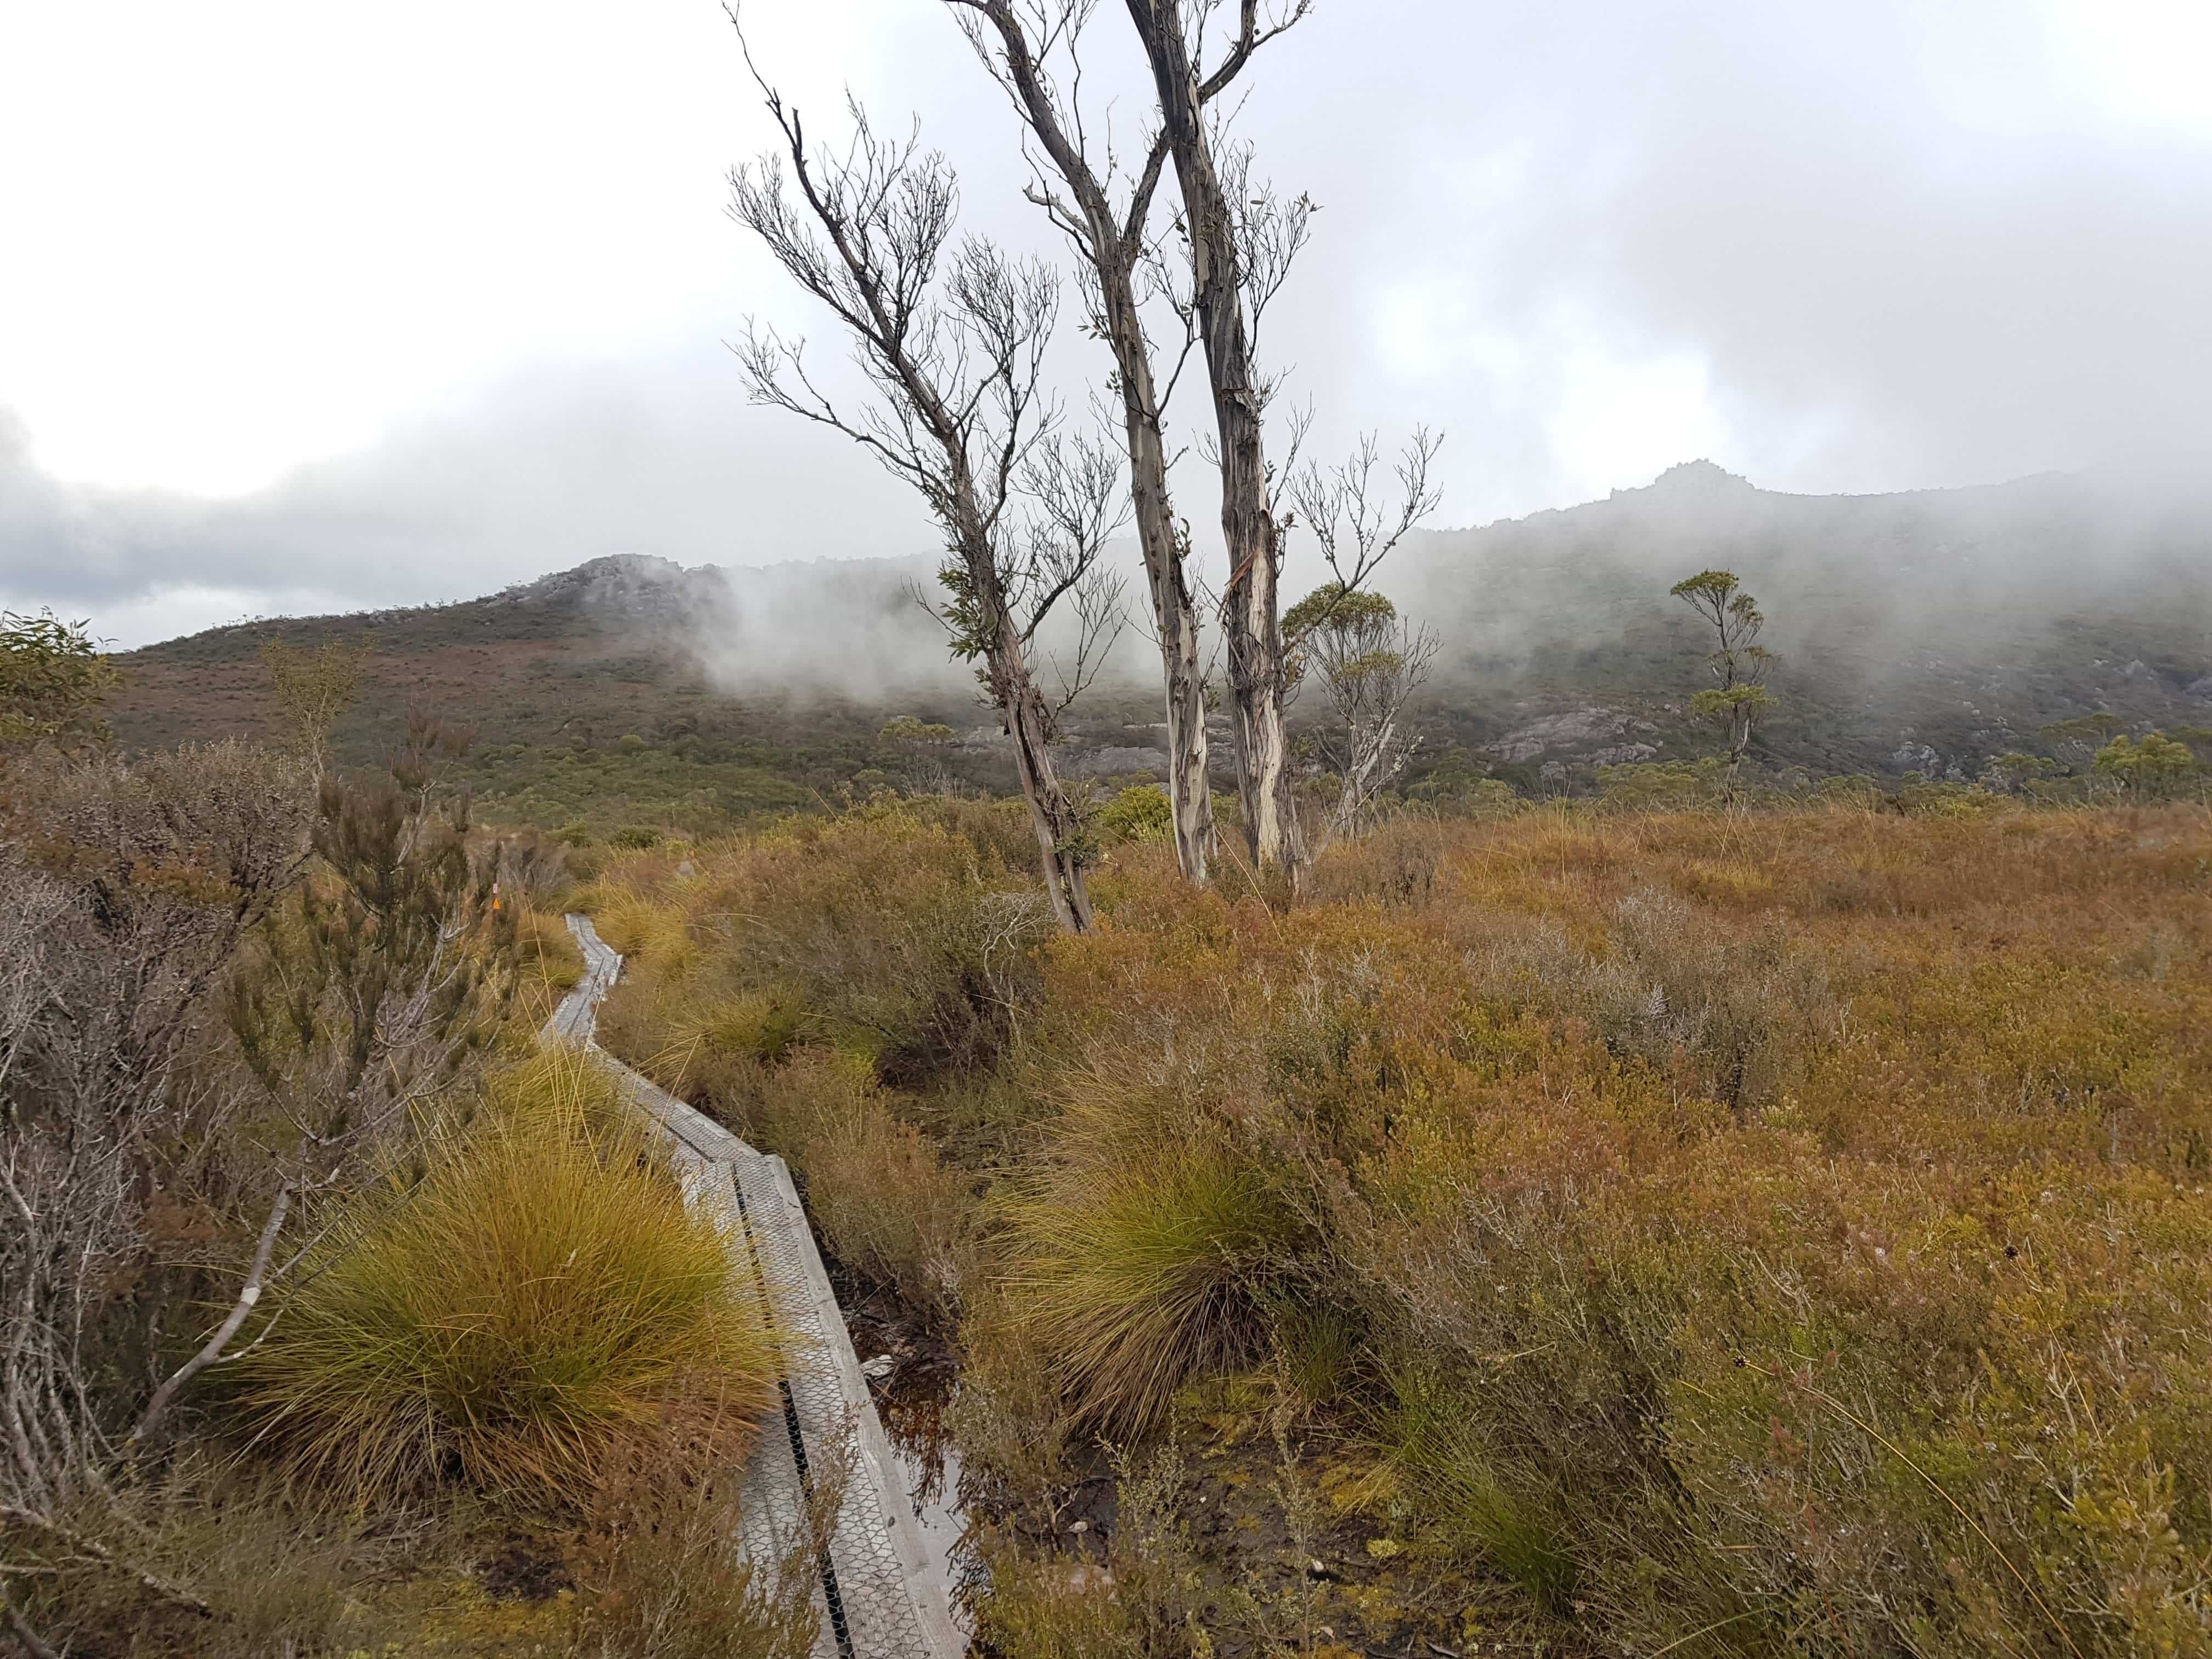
(1718, 1233)
(1724, 1011)
(540, 1298)
(272, 1569)
(888, 932)
(672, 1567)
(1139, 812)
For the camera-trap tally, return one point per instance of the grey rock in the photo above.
(1918, 757)
(1623, 754)
(1570, 730)
(2200, 690)
(1106, 762)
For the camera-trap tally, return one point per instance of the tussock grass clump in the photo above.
(1138, 1275)
(540, 1297)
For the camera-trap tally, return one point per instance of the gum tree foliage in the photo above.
(1738, 662)
(52, 678)
(2078, 742)
(2152, 768)
(951, 337)
(314, 688)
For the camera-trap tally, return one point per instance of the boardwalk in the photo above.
(880, 1595)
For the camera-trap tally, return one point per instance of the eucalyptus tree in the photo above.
(1369, 661)
(950, 336)
(1238, 259)
(1033, 49)
(1738, 662)
(314, 688)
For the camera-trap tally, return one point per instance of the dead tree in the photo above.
(1237, 260)
(125, 891)
(952, 339)
(1021, 42)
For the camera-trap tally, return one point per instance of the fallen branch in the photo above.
(21, 1629)
(158, 1406)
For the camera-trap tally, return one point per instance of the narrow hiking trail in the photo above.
(882, 1593)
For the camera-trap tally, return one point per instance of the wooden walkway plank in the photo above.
(881, 1595)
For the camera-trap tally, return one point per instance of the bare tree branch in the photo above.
(248, 1296)
(21, 1629)
(166, 1588)
(1357, 523)
(950, 338)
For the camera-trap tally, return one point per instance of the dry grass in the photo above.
(538, 1299)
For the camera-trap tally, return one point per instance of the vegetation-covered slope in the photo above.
(1920, 636)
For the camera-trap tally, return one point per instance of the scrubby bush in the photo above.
(886, 1202)
(673, 1566)
(899, 937)
(1139, 812)
(1725, 1013)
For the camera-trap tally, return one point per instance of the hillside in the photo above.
(628, 691)
(1920, 634)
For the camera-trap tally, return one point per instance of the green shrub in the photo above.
(757, 1025)
(540, 1298)
(1141, 813)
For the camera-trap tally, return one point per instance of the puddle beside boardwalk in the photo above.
(913, 1400)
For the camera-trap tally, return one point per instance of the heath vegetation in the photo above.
(1710, 1232)
(325, 1291)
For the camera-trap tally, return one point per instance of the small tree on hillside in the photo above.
(1738, 665)
(1369, 662)
(314, 688)
(2078, 742)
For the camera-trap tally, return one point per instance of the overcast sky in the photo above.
(307, 306)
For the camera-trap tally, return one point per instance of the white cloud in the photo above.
(433, 293)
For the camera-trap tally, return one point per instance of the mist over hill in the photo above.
(1920, 634)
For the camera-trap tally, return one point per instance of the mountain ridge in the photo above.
(1921, 633)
